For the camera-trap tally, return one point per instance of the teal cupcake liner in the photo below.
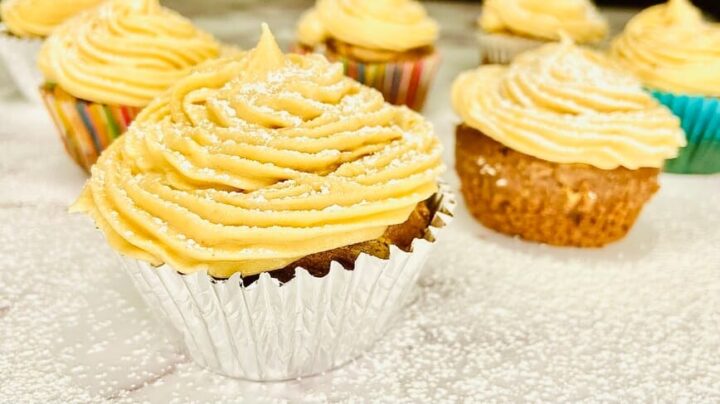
(700, 118)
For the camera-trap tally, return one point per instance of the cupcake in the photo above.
(274, 211)
(25, 24)
(560, 147)
(511, 27)
(676, 54)
(104, 65)
(387, 45)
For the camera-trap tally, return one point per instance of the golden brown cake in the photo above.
(560, 147)
(538, 200)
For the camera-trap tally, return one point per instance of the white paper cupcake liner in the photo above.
(19, 55)
(271, 331)
(502, 48)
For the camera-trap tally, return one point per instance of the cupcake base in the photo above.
(86, 128)
(268, 330)
(559, 204)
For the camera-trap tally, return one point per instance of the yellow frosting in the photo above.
(670, 47)
(393, 25)
(254, 161)
(545, 19)
(567, 104)
(124, 52)
(38, 18)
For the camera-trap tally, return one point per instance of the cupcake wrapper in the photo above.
(271, 331)
(401, 83)
(700, 118)
(502, 49)
(20, 58)
(86, 128)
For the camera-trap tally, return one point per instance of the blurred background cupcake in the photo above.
(104, 65)
(24, 25)
(676, 54)
(560, 147)
(511, 27)
(388, 45)
(266, 194)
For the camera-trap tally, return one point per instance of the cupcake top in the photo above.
(566, 104)
(38, 18)
(254, 161)
(671, 48)
(124, 52)
(544, 19)
(390, 25)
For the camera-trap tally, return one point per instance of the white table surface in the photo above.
(495, 319)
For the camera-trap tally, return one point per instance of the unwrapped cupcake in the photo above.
(276, 212)
(560, 147)
(104, 65)
(388, 45)
(511, 27)
(676, 54)
(25, 24)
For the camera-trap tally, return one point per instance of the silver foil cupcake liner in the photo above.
(270, 331)
(19, 55)
(502, 48)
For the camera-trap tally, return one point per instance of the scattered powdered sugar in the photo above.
(510, 321)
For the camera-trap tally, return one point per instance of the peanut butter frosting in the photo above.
(671, 48)
(392, 25)
(124, 52)
(566, 104)
(38, 18)
(257, 160)
(545, 19)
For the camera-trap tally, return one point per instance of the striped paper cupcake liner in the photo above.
(86, 128)
(700, 118)
(401, 83)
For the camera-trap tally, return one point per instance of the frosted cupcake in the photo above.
(676, 54)
(25, 24)
(104, 65)
(275, 211)
(560, 147)
(388, 45)
(511, 27)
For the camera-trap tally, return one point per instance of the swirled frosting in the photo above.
(545, 19)
(38, 18)
(670, 47)
(566, 104)
(393, 25)
(124, 52)
(255, 161)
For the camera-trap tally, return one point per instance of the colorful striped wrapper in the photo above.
(86, 128)
(700, 119)
(402, 83)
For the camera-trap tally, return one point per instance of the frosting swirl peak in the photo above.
(124, 52)
(671, 48)
(566, 104)
(252, 162)
(38, 18)
(545, 19)
(392, 25)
